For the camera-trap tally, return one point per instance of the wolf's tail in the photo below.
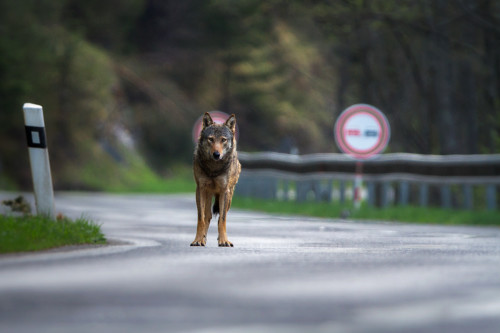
(215, 207)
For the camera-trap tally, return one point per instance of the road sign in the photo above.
(218, 117)
(362, 131)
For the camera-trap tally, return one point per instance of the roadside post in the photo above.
(39, 160)
(362, 132)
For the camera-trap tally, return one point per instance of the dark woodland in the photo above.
(123, 81)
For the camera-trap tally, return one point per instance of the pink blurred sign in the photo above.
(218, 117)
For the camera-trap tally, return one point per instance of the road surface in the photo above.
(285, 274)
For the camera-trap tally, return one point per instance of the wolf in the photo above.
(216, 171)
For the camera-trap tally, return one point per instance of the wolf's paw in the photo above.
(225, 244)
(198, 243)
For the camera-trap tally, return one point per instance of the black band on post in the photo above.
(36, 137)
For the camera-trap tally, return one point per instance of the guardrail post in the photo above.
(39, 160)
(316, 189)
(445, 196)
(243, 186)
(491, 196)
(342, 191)
(302, 189)
(328, 194)
(371, 193)
(468, 198)
(424, 194)
(272, 188)
(404, 193)
(385, 194)
(285, 190)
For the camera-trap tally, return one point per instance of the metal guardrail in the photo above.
(453, 181)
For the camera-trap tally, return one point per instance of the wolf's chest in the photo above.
(215, 185)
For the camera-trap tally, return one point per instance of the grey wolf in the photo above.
(216, 171)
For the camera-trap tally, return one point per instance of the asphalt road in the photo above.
(285, 274)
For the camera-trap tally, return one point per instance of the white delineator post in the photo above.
(39, 160)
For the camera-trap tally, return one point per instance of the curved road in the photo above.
(285, 274)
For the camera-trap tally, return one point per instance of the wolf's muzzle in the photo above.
(216, 155)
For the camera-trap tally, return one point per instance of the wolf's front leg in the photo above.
(223, 208)
(202, 202)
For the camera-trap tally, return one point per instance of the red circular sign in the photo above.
(362, 131)
(218, 117)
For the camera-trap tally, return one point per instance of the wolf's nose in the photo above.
(216, 155)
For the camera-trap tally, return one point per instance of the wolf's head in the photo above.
(217, 141)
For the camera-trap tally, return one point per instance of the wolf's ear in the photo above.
(207, 120)
(231, 122)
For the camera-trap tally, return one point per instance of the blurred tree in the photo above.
(286, 68)
(109, 24)
(44, 64)
(422, 62)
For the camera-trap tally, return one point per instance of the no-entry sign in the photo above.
(218, 117)
(362, 131)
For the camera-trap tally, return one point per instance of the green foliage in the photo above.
(285, 68)
(34, 233)
(428, 215)
(131, 175)
(109, 23)
(70, 78)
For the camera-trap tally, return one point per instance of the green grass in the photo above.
(411, 214)
(34, 233)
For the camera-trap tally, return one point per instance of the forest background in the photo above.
(123, 81)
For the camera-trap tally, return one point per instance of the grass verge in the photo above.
(34, 233)
(429, 215)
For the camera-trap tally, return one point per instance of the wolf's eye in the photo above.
(211, 139)
(224, 140)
